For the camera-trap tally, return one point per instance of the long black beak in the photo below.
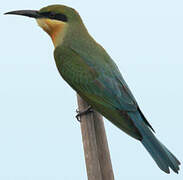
(29, 13)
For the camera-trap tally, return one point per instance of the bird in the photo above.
(90, 71)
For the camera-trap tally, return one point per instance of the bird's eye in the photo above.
(51, 15)
(61, 17)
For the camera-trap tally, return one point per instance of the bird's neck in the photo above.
(55, 29)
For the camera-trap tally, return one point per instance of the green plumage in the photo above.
(91, 72)
(98, 81)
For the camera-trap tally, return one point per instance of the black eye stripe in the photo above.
(53, 15)
(61, 17)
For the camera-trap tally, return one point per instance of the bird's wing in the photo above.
(100, 80)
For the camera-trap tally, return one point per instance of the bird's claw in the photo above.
(85, 111)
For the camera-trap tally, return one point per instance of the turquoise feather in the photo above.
(162, 156)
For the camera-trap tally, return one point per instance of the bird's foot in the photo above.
(85, 111)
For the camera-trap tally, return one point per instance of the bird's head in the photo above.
(53, 19)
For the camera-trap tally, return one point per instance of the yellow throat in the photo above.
(55, 29)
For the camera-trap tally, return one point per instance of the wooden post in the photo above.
(97, 156)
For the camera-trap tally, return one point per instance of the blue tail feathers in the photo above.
(161, 155)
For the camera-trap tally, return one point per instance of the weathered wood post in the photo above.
(97, 156)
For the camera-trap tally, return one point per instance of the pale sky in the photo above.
(39, 136)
